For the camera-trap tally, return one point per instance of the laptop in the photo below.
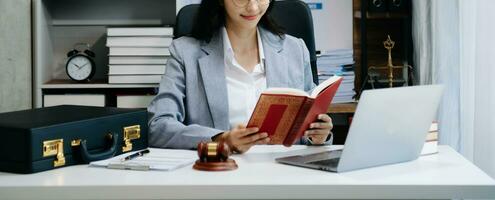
(389, 126)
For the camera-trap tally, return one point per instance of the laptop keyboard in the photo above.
(327, 160)
(333, 162)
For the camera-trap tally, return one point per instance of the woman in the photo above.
(214, 78)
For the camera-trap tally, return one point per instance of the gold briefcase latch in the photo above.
(130, 133)
(52, 148)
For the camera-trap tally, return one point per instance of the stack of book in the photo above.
(431, 143)
(138, 55)
(338, 62)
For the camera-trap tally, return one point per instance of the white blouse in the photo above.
(243, 88)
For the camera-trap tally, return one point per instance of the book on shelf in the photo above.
(431, 143)
(134, 101)
(139, 41)
(132, 60)
(285, 113)
(74, 99)
(136, 69)
(430, 147)
(139, 51)
(134, 79)
(140, 31)
(432, 136)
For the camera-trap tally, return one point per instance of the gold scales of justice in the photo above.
(389, 45)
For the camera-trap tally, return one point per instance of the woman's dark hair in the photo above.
(211, 17)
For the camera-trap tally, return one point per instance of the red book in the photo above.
(285, 113)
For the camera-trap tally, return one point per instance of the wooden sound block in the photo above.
(215, 166)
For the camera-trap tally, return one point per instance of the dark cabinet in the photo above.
(373, 21)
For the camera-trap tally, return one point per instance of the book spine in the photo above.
(295, 132)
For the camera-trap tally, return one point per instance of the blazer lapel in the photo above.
(275, 61)
(212, 72)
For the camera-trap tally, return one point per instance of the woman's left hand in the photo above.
(319, 130)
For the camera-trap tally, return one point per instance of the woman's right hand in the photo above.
(240, 138)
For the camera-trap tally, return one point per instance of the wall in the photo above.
(15, 55)
(333, 24)
(181, 3)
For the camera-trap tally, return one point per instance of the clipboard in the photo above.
(156, 159)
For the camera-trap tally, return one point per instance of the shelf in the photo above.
(129, 22)
(59, 24)
(342, 108)
(69, 84)
(381, 15)
(386, 81)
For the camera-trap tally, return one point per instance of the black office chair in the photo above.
(293, 15)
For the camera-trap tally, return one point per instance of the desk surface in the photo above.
(342, 108)
(445, 175)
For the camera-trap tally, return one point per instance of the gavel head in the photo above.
(213, 151)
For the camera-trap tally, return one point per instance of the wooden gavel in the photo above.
(213, 152)
(214, 157)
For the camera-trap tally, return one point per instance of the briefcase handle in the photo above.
(89, 157)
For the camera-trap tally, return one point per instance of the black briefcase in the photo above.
(52, 137)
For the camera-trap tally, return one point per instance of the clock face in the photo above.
(79, 68)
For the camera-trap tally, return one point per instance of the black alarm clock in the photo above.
(80, 65)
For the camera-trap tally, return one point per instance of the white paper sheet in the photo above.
(157, 159)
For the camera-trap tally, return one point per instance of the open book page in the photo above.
(297, 92)
(157, 159)
(323, 85)
(288, 91)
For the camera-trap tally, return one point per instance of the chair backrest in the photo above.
(293, 15)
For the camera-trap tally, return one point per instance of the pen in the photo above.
(137, 154)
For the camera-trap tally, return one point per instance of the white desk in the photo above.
(445, 175)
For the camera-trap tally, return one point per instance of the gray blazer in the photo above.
(192, 104)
